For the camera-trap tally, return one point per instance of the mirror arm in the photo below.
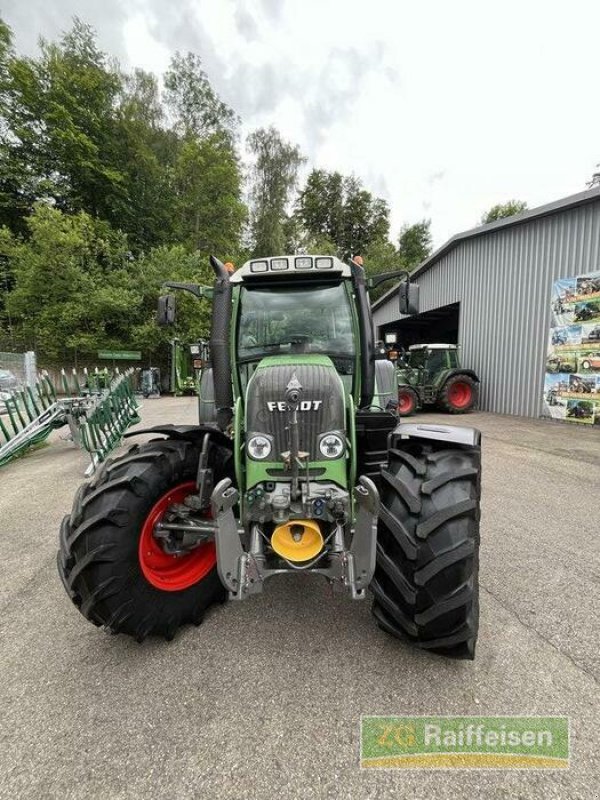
(193, 288)
(388, 276)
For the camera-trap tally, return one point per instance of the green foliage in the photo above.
(341, 210)
(197, 109)
(79, 289)
(77, 131)
(414, 244)
(110, 186)
(274, 177)
(57, 140)
(381, 256)
(208, 213)
(107, 189)
(503, 210)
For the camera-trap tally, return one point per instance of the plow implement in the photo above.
(97, 410)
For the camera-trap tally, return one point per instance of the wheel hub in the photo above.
(175, 555)
(460, 394)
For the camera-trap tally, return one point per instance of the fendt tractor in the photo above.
(431, 375)
(302, 466)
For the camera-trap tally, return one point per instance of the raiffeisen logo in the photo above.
(465, 742)
(303, 405)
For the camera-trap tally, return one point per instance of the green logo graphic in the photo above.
(465, 742)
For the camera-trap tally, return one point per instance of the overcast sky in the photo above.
(442, 107)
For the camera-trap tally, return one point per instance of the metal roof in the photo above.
(572, 201)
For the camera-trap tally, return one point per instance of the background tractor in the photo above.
(430, 374)
(299, 465)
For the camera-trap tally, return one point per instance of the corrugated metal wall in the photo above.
(503, 282)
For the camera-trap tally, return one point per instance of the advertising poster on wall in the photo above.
(572, 384)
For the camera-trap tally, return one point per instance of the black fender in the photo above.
(190, 433)
(467, 437)
(460, 371)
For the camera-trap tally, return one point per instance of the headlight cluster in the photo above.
(331, 445)
(259, 447)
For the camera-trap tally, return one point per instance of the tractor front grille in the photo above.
(322, 405)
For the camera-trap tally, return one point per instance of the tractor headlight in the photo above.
(331, 445)
(259, 447)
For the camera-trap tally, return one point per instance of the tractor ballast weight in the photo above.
(305, 468)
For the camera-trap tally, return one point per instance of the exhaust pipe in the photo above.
(219, 344)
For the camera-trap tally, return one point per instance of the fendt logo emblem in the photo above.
(303, 405)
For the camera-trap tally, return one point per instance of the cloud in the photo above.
(246, 23)
(425, 107)
(31, 19)
(436, 177)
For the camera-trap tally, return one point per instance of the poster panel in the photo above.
(572, 383)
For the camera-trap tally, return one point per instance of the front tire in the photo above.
(426, 580)
(408, 400)
(112, 569)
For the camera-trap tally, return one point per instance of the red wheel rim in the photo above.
(172, 573)
(460, 394)
(406, 402)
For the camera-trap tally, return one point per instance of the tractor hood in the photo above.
(321, 410)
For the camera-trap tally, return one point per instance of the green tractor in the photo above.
(302, 466)
(430, 374)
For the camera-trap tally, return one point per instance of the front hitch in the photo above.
(243, 572)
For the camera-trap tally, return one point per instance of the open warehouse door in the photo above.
(438, 325)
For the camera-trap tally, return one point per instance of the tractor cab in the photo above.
(300, 306)
(430, 359)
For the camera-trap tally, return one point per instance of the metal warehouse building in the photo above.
(489, 290)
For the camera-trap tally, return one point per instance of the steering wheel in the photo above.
(299, 341)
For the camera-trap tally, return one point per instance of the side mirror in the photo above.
(165, 314)
(408, 295)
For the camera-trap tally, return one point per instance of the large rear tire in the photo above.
(111, 566)
(426, 580)
(459, 395)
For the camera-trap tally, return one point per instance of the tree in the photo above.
(274, 178)
(503, 210)
(197, 109)
(84, 136)
(340, 209)
(58, 139)
(209, 214)
(78, 288)
(54, 272)
(595, 179)
(381, 256)
(414, 244)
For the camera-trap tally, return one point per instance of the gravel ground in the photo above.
(264, 699)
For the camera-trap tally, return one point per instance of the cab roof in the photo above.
(288, 266)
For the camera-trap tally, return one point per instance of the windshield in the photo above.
(296, 319)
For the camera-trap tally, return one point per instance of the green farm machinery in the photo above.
(98, 407)
(431, 375)
(300, 465)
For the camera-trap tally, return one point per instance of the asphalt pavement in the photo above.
(264, 699)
